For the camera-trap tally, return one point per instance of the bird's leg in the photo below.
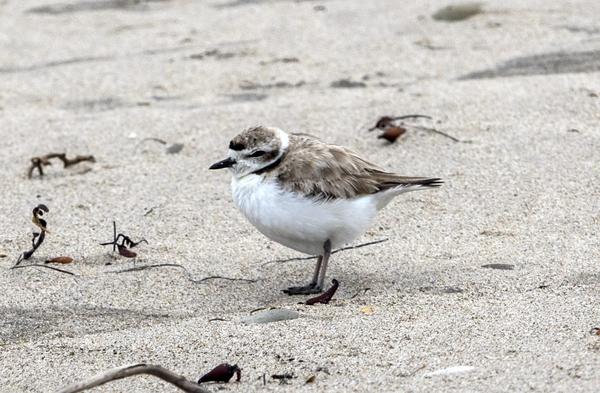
(311, 287)
(326, 254)
(316, 284)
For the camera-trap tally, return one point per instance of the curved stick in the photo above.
(438, 132)
(187, 273)
(135, 369)
(411, 117)
(44, 266)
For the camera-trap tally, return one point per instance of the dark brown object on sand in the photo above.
(40, 162)
(222, 373)
(326, 296)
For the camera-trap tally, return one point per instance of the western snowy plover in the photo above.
(309, 195)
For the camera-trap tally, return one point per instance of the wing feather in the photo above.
(323, 171)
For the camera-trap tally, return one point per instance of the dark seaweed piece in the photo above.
(222, 373)
(326, 296)
(124, 244)
(38, 237)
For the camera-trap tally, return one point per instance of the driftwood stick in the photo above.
(135, 369)
(435, 131)
(334, 251)
(187, 273)
(45, 267)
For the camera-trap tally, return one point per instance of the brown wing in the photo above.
(324, 171)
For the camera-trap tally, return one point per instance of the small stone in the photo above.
(175, 148)
(268, 316)
(458, 12)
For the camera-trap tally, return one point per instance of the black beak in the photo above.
(226, 163)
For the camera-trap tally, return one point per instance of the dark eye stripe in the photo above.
(257, 153)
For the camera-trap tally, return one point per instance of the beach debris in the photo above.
(131, 370)
(386, 121)
(63, 260)
(3, 255)
(124, 246)
(392, 130)
(311, 379)
(44, 267)
(175, 148)
(458, 12)
(38, 237)
(222, 373)
(187, 273)
(171, 149)
(392, 133)
(283, 378)
(268, 316)
(42, 161)
(499, 266)
(595, 331)
(367, 310)
(361, 292)
(326, 296)
(450, 371)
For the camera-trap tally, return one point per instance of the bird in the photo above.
(309, 195)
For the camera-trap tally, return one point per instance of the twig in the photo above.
(40, 162)
(131, 370)
(385, 121)
(125, 243)
(411, 117)
(187, 273)
(437, 132)
(334, 251)
(361, 292)
(44, 266)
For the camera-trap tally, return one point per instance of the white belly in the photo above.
(300, 223)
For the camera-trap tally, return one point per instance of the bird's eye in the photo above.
(257, 153)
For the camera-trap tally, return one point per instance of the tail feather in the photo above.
(408, 182)
(405, 184)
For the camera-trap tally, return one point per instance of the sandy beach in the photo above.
(518, 84)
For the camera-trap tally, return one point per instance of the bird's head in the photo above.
(253, 150)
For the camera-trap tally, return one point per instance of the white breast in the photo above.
(301, 223)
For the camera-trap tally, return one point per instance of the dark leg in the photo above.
(326, 254)
(316, 284)
(311, 287)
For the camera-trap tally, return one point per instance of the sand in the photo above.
(519, 84)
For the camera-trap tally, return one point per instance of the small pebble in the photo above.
(458, 12)
(268, 316)
(175, 148)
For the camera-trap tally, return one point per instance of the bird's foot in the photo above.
(309, 289)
